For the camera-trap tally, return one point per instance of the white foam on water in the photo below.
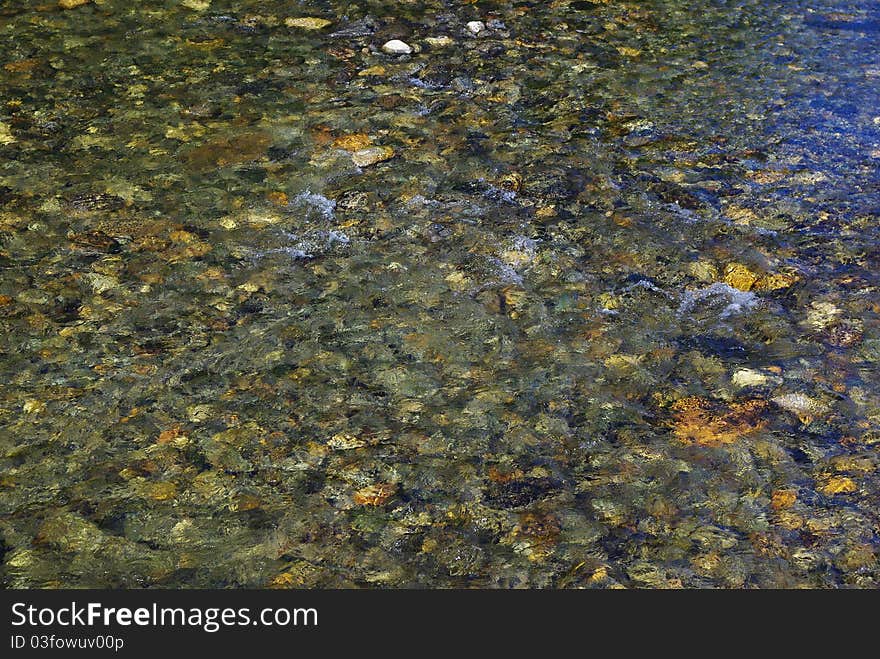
(334, 236)
(500, 194)
(319, 202)
(294, 253)
(420, 200)
(734, 300)
(315, 243)
(524, 244)
(507, 274)
(644, 283)
(687, 215)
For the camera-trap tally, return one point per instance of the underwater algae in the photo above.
(439, 294)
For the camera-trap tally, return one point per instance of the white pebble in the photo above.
(397, 47)
(800, 404)
(439, 42)
(475, 27)
(749, 377)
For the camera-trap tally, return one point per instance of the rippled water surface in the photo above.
(586, 299)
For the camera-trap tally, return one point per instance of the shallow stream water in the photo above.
(585, 298)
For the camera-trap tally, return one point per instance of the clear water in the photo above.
(608, 316)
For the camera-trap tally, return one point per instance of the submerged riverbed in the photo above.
(583, 295)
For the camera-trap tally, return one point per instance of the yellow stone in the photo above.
(599, 574)
(284, 580)
(317, 450)
(412, 406)
(789, 520)
(775, 282)
(183, 133)
(609, 301)
(377, 70)
(741, 214)
(196, 5)
(278, 197)
(33, 406)
(458, 280)
(512, 182)
(853, 464)
(5, 134)
(739, 276)
(344, 441)
(184, 237)
(162, 491)
(838, 485)
(72, 4)
(307, 23)
(353, 142)
(783, 499)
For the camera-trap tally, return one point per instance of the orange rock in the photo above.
(702, 422)
(22, 65)
(540, 527)
(321, 134)
(497, 476)
(278, 198)
(375, 495)
(168, 436)
(783, 499)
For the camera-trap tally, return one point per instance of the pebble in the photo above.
(352, 142)
(397, 47)
(345, 441)
(475, 27)
(749, 377)
(197, 5)
(800, 404)
(377, 70)
(375, 495)
(6, 136)
(372, 155)
(307, 23)
(72, 4)
(822, 314)
(439, 42)
(739, 276)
